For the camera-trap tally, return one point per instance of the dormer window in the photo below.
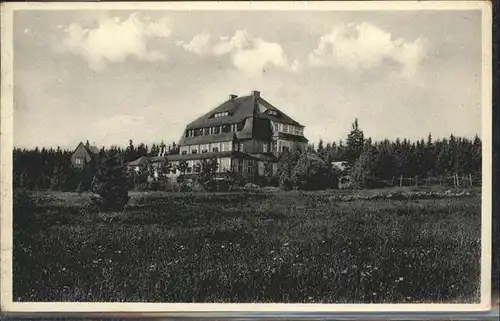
(272, 112)
(221, 114)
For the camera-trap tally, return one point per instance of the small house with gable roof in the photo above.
(83, 154)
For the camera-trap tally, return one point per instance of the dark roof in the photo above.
(91, 149)
(240, 108)
(267, 157)
(139, 161)
(293, 137)
(315, 157)
(144, 159)
(282, 118)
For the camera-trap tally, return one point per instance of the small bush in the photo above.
(191, 185)
(310, 173)
(111, 182)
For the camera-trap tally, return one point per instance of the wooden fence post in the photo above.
(401, 181)
(392, 181)
(458, 180)
(470, 179)
(416, 180)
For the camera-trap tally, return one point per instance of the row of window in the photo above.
(228, 128)
(246, 166)
(221, 114)
(279, 146)
(214, 130)
(206, 148)
(287, 128)
(243, 166)
(282, 146)
(223, 147)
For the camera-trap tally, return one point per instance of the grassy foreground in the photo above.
(283, 247)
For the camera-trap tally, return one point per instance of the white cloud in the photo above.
(252, 54)
(114, 40)
(365, 46)
(199, 45)
(248, 53)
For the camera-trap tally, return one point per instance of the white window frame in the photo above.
(249, 166)
(226, 146)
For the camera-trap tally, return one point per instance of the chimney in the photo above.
(256, 93)
(232, 96)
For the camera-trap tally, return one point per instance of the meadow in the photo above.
(297, 247)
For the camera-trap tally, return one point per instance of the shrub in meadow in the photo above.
(362, 171)
(235, 178)
(310, 173)
(110, 182)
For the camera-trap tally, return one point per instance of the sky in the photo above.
(110, 76)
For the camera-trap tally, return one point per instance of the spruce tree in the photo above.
(363, 172)
(354, 143)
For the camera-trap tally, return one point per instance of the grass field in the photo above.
(282, 247)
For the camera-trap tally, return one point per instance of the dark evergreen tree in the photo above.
(363, 170)
(321, 149)
(354, 143)
(110, 181)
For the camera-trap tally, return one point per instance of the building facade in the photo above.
(83, 154)
(244, 134)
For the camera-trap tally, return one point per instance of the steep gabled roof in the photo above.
(91, 149)
(281, 118)
(240, 108)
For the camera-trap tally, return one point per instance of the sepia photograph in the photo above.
(300, 154)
